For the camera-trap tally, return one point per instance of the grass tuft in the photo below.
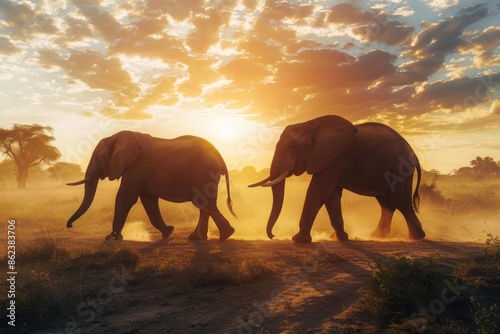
(404, 291)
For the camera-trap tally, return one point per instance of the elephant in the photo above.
(182, 169)
(369, 159)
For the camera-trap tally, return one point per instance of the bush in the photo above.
(430, 192)
(402, 291)
(483, 268)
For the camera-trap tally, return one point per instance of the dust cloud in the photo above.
(466, 210)
(136, 231)
(465, 216)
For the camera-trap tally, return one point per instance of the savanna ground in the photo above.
(72, 281)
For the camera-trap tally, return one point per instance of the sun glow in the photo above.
(228, 127)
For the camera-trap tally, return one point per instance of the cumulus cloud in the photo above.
(24, 21)
(261, 56)
(484, 45)
(372, 26)
(6, 46)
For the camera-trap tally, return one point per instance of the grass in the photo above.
(54, 280)
(483, 267)
(415, 295)
(59, 283)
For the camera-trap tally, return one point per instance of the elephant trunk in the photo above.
(90, 190)
(278, 196)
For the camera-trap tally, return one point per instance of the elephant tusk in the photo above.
(277, 180)
(79, 182)
(259, 183)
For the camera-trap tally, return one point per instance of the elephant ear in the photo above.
(333, 136)
(123, 151)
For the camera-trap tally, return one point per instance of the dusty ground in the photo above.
(315, 290)
(311, 288)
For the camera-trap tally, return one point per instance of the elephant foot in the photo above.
(167, 232)
(340, 236)
(226, 233)
(196, 236)
(302, 238)
(416, 236)
(114, 236)
(380, 234)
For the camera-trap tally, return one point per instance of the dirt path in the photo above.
(312, 289)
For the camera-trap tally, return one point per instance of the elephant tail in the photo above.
(225, 172)
(416, 196)
(229, 201)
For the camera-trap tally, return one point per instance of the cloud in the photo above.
(483, 45)
(457, 94)
(495, 107)
(102, 20)
(244, 71)
(444, 37)
(433, 43)
(261, 57)
(6, 46)
(372, 26)
(24, 21)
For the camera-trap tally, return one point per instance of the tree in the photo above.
(485, 166)
(28, 146)
(65, 171)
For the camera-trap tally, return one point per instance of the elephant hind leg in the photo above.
(225, 229)
(405, 205)
(384, 226)
(150, 204)
(414, 225)
(201, 230)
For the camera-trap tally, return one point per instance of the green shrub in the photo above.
(483, 268)
(405, 293)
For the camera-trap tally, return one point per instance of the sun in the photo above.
(228, 127)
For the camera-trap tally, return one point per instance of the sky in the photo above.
(236, 72)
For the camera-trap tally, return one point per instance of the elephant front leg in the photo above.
(201, 231)
(150, 204)
(124, 202)
(334, 209)
(313, 202)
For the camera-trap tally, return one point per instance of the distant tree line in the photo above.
(28, 149)
(480, 166)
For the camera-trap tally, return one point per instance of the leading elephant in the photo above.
(368, 159)
(183, 169)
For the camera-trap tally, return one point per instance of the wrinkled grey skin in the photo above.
(178, 170)
(369, 159)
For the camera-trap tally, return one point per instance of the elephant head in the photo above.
(110, 158)
(305, 147)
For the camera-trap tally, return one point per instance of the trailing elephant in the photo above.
(183, 169)
(369, 159)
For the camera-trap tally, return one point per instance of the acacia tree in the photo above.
(485, 166)
(28, 146)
